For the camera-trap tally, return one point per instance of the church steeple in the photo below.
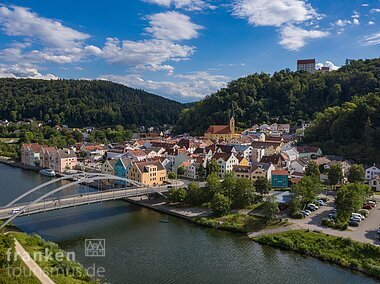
(232, 120)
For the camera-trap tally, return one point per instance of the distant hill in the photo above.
(81, 103)
(284, 97)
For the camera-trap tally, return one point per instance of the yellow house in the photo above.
(148, 172)
(243, 162)
(225, 132)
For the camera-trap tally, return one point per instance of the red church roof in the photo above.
(219, 129)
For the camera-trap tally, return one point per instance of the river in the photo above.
(140, 249)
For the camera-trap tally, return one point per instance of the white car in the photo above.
(15, 210)
(357, 215)
(312, 205)
(320, 202)
(355, 219)
(305, 212)
(371, 203)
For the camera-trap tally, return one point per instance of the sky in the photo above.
(181, 49)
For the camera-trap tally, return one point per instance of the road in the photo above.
(32, 265)
(366, 232)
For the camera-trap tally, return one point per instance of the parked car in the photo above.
(361, 217)
(353, 223)
(371, 202)
(311, 208)
(320, 202)
(367, 206)
(356, 219)
(312, 205)
(306, 212)
(365, 211)
(332, 216)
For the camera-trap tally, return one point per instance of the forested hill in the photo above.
(83, 103)
(284, 97)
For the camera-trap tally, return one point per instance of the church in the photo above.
(225, 132)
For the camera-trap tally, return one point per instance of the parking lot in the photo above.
(366, 232)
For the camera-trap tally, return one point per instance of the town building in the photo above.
(280, 178)
(225, 132)
(372, 172)
(307, 65)
(150, 173)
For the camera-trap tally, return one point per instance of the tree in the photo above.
(307, 189)
(270, 208)
(295, 204)
(356, 173)
(243, 194)
(312, 170)
(220, 204)
(195, 195)
(349, 199)
(201, 172)
(212, 168)
(335, 174)
(172, 175)
(262, 185)
(181, 171)
(213, 185)
(177, 195)
(229, 184)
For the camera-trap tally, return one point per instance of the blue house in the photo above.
(280, 178)
(121, 169)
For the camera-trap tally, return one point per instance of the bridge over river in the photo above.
(46, 202)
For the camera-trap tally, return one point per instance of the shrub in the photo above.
(297, 215)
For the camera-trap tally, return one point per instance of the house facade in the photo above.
(280, 178)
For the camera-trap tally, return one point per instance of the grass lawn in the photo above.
(239, 223)
(343, 251)
(62, 271)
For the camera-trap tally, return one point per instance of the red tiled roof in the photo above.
(219, 129)
(306, 61)
(280, 173)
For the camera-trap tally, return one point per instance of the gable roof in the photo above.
(219, 129)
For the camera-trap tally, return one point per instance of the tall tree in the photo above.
(262, 185)
(356, 173)
(335, 174)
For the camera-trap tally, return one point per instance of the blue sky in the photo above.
(181, 49)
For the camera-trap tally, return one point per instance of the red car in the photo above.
(367, 206)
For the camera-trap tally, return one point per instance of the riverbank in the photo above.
(357, 256)
(15, 164)
(28, 268)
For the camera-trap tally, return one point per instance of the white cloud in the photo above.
(371, 23)
(188, 87)
(274, 12)
(375, 10)
(144, 52)
(373, 39)
(365, 5)
(329, 64)
(189, 5)
(156, 67)
(293, 38)
(24, 71)
(342, 23)
(20, 21)
(356, 22)
(172, 26)
(355, 15)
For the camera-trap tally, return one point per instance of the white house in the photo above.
(375, 183)
(298, 165)
(372, 172)
(225, 161)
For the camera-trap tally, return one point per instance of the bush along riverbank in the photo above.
(56, 263)
(239, 223)
(343, 251)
